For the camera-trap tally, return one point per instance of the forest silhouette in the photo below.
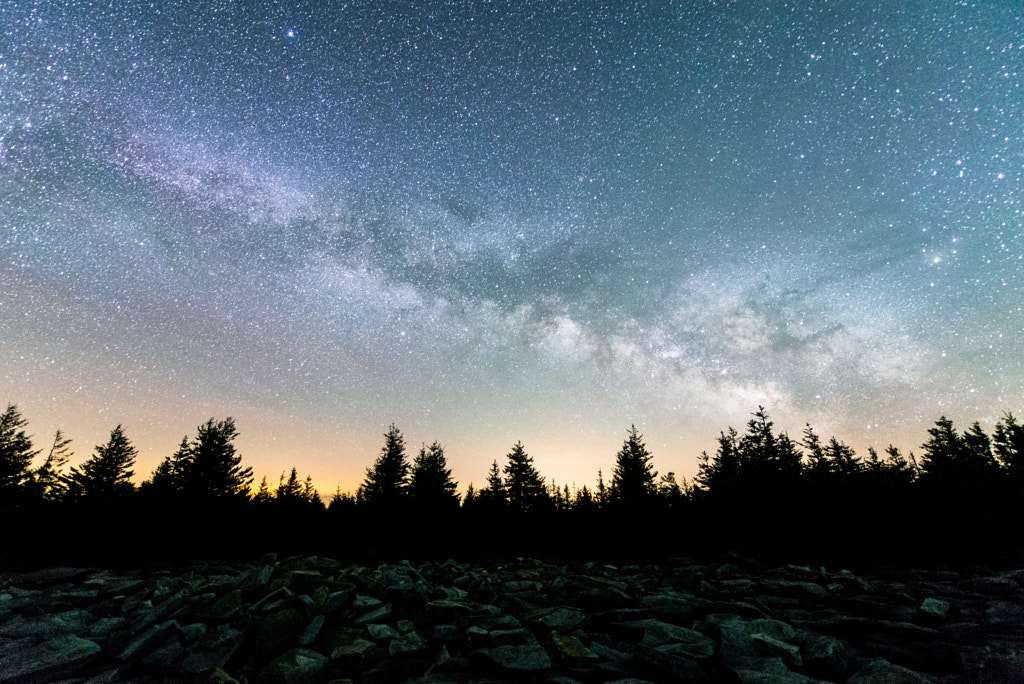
(761, 493)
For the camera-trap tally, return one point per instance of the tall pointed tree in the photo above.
(523, 484)
(720, 474)
(107, 475)
(169, 475)
(49, 477)
(430, 484)
(387, 479)
(1008, 444)
(493, 494)
(213, 467)
(16, 452)
(289, 490)
(954, 459)
(633, 480)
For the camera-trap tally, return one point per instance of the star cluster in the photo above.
(493, 221)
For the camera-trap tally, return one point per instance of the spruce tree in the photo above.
(48, 477)
(494, 493)
(262, 496)
(107, 475)
(669, 489)
(720, 474)
(523, 484)
(386, 481)
(289, 490)
(953, 459)
(430, 485)
(169, 475)
(309, 493)
(633, 484)
(1008, 445)
(602, 490)
(16, 452)
(212, 468)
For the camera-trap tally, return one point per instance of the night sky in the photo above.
(499, 221)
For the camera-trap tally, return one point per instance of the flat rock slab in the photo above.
(57, 656)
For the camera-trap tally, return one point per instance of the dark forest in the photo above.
(761, 493)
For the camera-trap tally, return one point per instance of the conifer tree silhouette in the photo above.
(107, 475)
(212, 468)
(720, 474)
(386, 481)
(523, 484)
(169, 475)
(953, 459)
(49, 478)
(633, 480)
(1008, 445)
(494, 494)
(289, 490)
(16, 452)
(430, 485)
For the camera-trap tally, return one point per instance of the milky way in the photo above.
(494, 221)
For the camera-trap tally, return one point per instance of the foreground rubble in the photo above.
(309, 619)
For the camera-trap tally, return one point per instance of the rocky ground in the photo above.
(308, 619)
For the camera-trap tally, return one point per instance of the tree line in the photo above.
(760, 491)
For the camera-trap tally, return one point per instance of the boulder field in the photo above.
(312, 619)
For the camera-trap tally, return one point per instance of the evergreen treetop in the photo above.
(387, 479)
(212, 467)
(633, 480)
(523, 485)
(48, 477)
(107, 475)
(430, 484)
(16, 451)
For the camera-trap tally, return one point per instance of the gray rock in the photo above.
(213, 649)
(608, 652)
(310, 632)
(562, 619)
(48, 625)
(275, 632)
(47, 576)
(148, 640)
(409, 642)
(226, 606)
(520, 658)
(255, 578)
(879, 671)
(1004, 612)
(61, 653)
(297, 666)
(693, 643)
(382, 632)
(668, 604)
(353, 652)
(826, 657)
(362, 602)
(768, 671)
(743, 640)
(104, 627)
(798, 590)
(771, 646)
(679, 667)
(572, 649)
(336, 600)
(376, 616)
(934, 609)
(106, 585)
